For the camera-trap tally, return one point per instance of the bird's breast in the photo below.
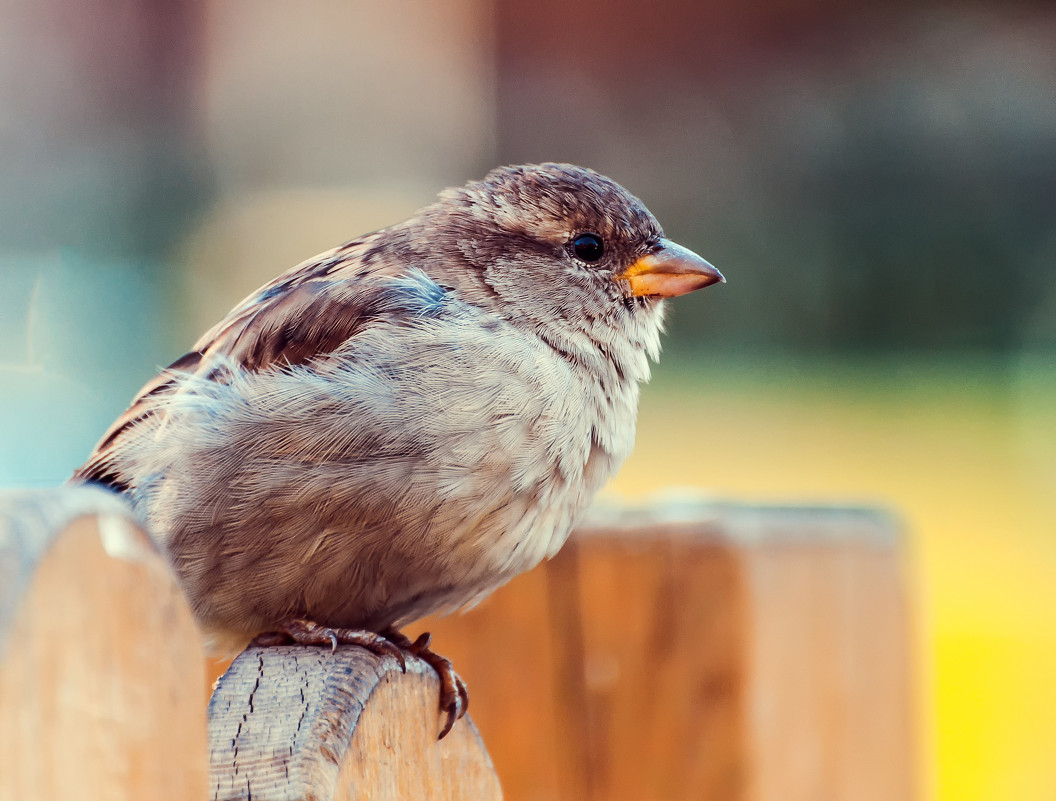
(415, 473)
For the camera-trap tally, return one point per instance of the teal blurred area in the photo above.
(102, 176)
(78, 336)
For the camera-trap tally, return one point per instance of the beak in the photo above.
(668, 271)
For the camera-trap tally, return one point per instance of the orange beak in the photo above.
(668, 271)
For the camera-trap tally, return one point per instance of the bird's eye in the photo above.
(588, 247)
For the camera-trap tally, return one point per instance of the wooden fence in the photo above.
(683, 652)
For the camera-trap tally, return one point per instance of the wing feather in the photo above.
(300, 317)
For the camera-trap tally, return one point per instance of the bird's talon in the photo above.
(397, 654)
(456, 702)
(333, 641)
(451, 718)
(463, 695)
(454, 698)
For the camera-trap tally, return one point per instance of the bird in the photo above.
(400, 425)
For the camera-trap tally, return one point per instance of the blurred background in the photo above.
(877, 181)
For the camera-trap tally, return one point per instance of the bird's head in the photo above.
(563, 249)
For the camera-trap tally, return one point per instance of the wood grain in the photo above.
(100, 662)
(698, 652)
(295, 722)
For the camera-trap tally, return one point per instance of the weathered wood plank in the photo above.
(101, 673)
(292, 723)
(703, 651)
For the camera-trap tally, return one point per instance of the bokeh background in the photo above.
(877, 181)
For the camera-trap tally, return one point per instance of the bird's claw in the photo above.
(307, 632)
(454, 698)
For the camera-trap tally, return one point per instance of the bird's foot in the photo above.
(454, 699)
(307, 632)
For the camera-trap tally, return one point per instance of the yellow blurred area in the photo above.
(966, 456)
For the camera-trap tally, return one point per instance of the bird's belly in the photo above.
(346, 568)
(476, 548)
(485, 548)
(366, 510)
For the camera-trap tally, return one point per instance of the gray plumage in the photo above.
(404, 423)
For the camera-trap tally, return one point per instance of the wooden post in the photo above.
(292, 722)
(101, 674)
(711, 652)
(699, 652)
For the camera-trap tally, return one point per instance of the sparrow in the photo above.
(404, 423)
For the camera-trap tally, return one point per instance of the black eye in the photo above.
(588, 247)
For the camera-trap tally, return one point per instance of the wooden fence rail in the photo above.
(291, 722)
(701, 651)
(101, 677)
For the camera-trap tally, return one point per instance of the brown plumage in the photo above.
(400, 425)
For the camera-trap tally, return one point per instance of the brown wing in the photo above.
(301, 316)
